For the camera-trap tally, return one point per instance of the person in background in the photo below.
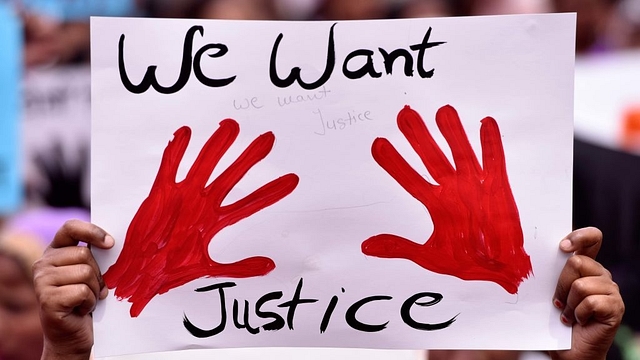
(351, 10)
(599, 26)
(22, 241)
(49, 42)
(233, 10)
(20, 330)
(57, 32)
(502, 7)
(423, 8)
(69, 284)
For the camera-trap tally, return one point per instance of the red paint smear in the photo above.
(166, 245)
(477, 233)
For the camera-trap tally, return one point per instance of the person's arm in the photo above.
(589, 299)
(68, 285)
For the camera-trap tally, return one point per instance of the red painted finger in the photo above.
(493, 159)
(172, 156)
(395, 165)
(414, 129)
(261, 198)
(259, 148)
(463, 156)
(390, 246)
(212, 151)
(249, 267)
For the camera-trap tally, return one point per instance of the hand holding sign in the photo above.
(167, 242)
(477, 233)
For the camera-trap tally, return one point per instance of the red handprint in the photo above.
(166, 244)
(476, 225)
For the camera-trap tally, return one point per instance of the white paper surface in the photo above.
(516, 69)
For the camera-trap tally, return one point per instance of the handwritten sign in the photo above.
(10, 70)
(375, 184)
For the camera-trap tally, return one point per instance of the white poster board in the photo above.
(317, 235)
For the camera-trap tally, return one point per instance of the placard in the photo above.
(397, 184)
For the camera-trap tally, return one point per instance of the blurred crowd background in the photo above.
(57, 31)
(45, 120)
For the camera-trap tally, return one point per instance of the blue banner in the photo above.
(80, 9)
(10, 73)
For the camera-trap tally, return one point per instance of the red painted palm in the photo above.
(167, 242)
(477, 233)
